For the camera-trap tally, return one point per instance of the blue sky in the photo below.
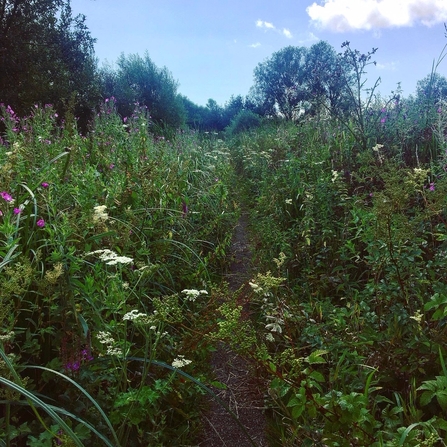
(211, 47)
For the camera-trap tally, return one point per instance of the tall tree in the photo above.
(326, 77)
(138, 80)
(46, 55)
(280, 82)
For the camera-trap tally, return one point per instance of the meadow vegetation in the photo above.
(115, 233)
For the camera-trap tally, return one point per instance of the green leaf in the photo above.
(316, 357)
(426, 398)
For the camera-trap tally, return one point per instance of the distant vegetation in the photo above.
(118, 200)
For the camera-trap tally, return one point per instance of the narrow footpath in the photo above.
(243, 393)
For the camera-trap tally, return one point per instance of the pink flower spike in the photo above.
(40, 223)
(17, 211)
(5, 196)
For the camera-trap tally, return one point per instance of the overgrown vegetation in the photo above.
(114, 237)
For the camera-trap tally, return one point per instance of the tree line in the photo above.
(47, 56)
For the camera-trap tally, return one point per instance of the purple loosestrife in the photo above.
(5, 196)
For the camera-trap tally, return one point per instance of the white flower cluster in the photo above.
(180, 361)
(134, 315)
(110, 257)
(100, 214)
(193, 294)
(7, 337)
(106, 338)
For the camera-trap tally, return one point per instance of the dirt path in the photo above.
(243, 394)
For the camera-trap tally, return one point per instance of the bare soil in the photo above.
(244, 392)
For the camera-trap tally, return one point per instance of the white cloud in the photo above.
(389, 66)
(263, 24)
(345, 15)
(255, 45)
(287, 33)
(269, 26)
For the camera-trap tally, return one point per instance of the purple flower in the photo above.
(40, 223)
(17, 210)
(5, 196)
(1, 213)
(184, 209)
(44, 185)
(432, 186)
(111, 166)
(383, 120)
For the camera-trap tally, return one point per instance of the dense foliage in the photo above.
(114, 243)
(46, 56)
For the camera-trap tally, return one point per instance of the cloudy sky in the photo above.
(212, 46)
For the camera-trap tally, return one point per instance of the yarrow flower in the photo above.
(40, 223)
(5, 196)
(192, 294)
(180, 361)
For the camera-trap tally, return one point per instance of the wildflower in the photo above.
(111, 166)
(134, 315)
(105, 338)
(44, 185)
(180, 361)
(192, 294)
(184, 209)
(5, 196)
(432, 186)
(17, 211)
(40, 223)
(100, 213)
(110, 257)
(383, 120)
(7, 337)
(114, 351)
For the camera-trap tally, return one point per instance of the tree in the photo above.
(138, 80)
(280, 83)
(325, 78)
(46, 56)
